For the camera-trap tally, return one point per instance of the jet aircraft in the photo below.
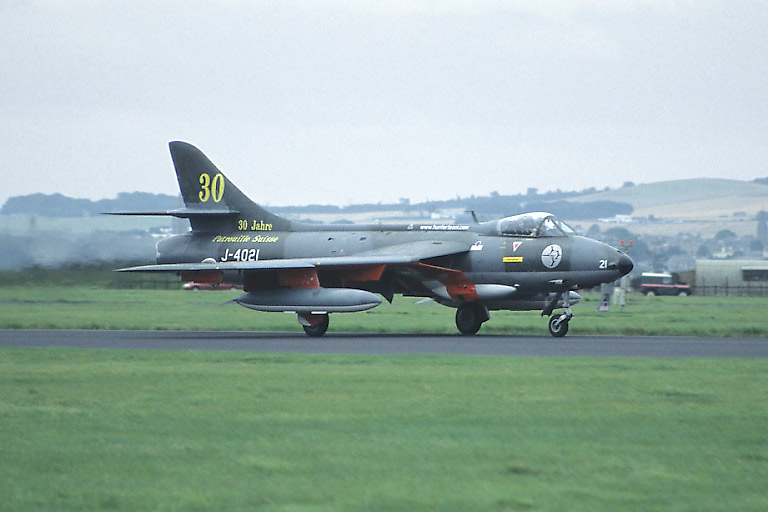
(519, 263)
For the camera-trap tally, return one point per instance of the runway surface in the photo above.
(340, 343)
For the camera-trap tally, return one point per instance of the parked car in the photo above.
(652, 284)
(211, 286)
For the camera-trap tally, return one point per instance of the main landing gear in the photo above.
(470, 316)
(314, 325)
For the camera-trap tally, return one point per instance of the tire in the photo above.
(317, 330)
(557, 331)
(468, 319)
(682, 294)
(650, 293)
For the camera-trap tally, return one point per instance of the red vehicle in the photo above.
(661, 284)
(210, 286)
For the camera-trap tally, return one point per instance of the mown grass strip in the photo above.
(84, 307)
(96, 430)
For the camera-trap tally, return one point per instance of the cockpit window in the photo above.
(537, 224)
(519, 225)
(565, 228)
(549, 228)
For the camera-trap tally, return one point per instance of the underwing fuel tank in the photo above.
(309, 300)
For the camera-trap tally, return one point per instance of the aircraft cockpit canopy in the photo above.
(536, 224)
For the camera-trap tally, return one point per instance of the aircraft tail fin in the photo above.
(212, 202)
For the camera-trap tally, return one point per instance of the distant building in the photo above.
(732, 277)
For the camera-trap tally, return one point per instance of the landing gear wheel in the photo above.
(317, 330)
(469, 318)
(558, 328)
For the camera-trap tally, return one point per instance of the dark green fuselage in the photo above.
(493, 259)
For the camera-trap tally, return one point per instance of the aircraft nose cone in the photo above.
(625, 264)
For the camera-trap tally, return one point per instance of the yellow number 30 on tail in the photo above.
(211, 189)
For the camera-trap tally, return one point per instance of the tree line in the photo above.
(493, 206)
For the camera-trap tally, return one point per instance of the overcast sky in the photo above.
(341, 102)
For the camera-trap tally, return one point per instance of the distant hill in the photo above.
(678, 191)
(493, 206)
(689, 199)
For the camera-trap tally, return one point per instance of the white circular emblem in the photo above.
(551, 256)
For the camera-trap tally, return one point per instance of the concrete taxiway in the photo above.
(341, 343)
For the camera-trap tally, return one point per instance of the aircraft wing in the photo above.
(412, 252)
(182, 213)
(409, 262)
(400, 254)
(277, 264)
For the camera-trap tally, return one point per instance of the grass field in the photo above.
(142, 430)
(115, 430)
(38, 305)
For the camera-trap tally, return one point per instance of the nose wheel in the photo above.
(558, 325)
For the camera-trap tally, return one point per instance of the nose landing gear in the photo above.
(558, 324)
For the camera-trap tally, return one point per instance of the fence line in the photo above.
(732, 291)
